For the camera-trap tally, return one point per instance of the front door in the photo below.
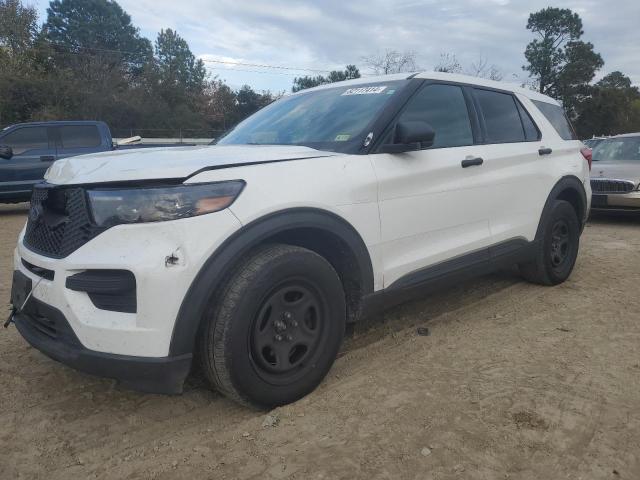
(433, 202)
(33, 153)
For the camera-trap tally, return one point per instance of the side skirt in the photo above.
(449, 273)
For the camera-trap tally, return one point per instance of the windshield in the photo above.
(618, 149)
(328, 119)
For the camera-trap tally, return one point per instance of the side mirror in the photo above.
(410, 136)
(6, 152)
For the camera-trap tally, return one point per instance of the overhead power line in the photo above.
(277, 67)
(206, 60)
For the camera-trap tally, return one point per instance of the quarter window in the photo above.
(25, 139)
(79, 136)
(557, 118)
(444, 108)
(501, 117)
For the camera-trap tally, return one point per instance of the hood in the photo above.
(619, 170)
(168, 162)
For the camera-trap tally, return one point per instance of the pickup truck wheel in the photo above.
(558, 248)
(273, 332)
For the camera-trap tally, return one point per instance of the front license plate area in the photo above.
(20, 289)
(599, 201)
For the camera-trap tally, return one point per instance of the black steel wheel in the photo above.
(557, 249)
(273, 332)
(560, 243)
(287, 330)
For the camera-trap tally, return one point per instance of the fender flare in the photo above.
(568, 183)
(220, 263)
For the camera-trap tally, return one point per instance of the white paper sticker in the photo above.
(364, 90)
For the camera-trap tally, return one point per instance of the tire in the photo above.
(557, 249)
(274, 330)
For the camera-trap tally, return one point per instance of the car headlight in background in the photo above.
(114, 206)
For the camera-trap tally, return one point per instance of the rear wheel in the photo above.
(275, 329)
(558, 248)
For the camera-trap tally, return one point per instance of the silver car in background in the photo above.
(615, 174)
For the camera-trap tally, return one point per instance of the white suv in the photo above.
(253, 255)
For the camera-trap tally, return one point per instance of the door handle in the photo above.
(47, 158)
(470, 162)
(544, 151)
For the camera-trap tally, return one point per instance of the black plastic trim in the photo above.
(216, 269)
(444, 274)
(39, 271)
(113, 290)
(565, 184)
(145, 374)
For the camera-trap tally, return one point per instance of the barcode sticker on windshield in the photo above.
(364, 91)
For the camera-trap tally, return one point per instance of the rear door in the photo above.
(433, 202)
(33, 152)
(512, 149)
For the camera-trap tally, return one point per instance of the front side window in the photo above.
(79, 136)
(621, 149)
(557, 118)
(501, 117)
(444, 108)
(330, 119)
(24, 139)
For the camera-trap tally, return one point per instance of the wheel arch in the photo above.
(322, 231)
(570, 189)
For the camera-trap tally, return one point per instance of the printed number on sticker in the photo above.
(364, 90)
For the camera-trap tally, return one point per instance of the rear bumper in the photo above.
(47, 330)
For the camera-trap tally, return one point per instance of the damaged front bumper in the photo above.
(110, 307)
(47, 330)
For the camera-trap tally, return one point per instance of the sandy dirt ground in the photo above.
(515, 381)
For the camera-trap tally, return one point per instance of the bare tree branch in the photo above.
(392, 61)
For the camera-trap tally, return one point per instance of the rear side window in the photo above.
(531, 132)
(79, 136)
(501, 117)
(444, 108)
(557, 118)
(27, 138)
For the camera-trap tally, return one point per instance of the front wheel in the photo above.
(273, 332)
(558, 248)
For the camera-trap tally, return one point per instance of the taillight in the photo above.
(587, 153)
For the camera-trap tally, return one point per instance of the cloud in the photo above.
(329, 34)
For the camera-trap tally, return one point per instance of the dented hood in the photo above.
(168, 162)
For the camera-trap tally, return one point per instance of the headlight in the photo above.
(113, 206)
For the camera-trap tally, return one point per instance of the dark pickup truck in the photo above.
(28, 149)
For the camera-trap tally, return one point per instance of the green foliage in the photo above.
(560, 63)
(301, 83)
(90, 30)
(612, 106)
(89, 62)
(18, 28)
(177, 66)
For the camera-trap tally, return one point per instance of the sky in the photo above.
(328, 34)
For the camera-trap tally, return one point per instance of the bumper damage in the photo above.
(47, 330)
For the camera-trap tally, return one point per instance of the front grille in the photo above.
(59, 221)
(605, 185)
